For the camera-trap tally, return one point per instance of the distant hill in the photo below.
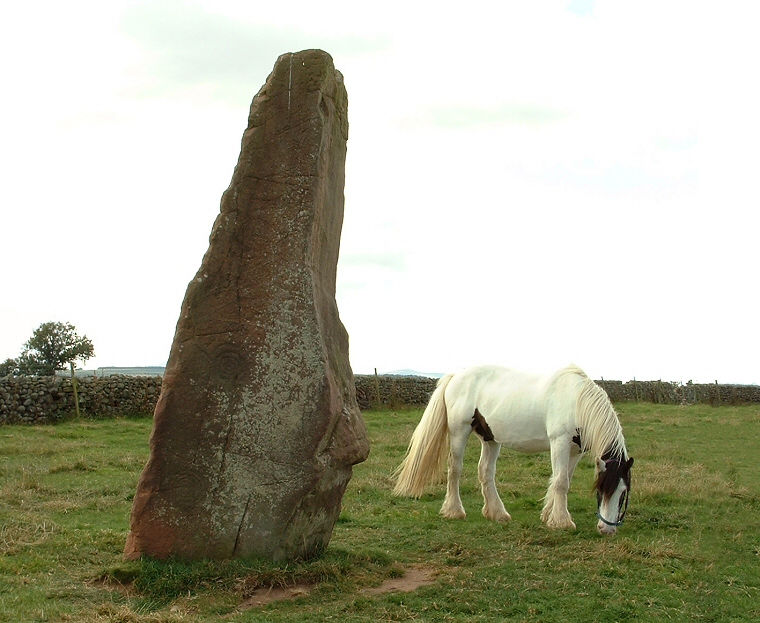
(430, 375)
(134, 371)
(159, 371)
(110, 370)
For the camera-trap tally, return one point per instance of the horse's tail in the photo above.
(426, 456)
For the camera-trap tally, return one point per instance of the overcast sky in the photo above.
(527, 183)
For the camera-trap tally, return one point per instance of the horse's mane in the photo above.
(596, 419)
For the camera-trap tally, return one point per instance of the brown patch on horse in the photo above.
(616, 469)
(577, 439)
(480, 426)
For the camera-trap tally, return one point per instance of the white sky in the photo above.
(528, 183)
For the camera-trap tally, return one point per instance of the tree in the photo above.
(52, 347)
(8, 367)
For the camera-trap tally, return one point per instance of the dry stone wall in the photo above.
(393, 391)
(39, 400)
(662, 392)
(44, 399)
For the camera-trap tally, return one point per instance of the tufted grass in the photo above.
(689, 551)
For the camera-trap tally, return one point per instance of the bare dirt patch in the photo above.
(411, 581)
(125, 588)
(263, 596)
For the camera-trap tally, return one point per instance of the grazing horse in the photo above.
(565, 413)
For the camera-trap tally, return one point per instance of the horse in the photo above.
(565, 413)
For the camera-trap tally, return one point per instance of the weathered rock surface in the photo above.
(257, 426)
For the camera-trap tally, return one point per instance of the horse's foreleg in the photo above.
(555, 513)
(452, 506)
(574, 460)
(493, 507)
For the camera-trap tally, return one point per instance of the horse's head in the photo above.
(613, 486)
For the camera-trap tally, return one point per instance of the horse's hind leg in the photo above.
(493, 507)
(452, 506)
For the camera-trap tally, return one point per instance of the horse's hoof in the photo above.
(497, 516)
(457, 514)
(554, 524)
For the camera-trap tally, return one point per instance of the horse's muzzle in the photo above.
(606, 529)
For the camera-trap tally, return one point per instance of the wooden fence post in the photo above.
(377, 389)
(74, 385)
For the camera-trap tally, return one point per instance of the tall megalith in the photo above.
(257, 425)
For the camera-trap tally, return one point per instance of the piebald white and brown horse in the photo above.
(565, 413)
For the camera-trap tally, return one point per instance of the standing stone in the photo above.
(257, 425)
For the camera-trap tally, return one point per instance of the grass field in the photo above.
(689, 550)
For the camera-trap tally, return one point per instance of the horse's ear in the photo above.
(629, 464)
(601, 466)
